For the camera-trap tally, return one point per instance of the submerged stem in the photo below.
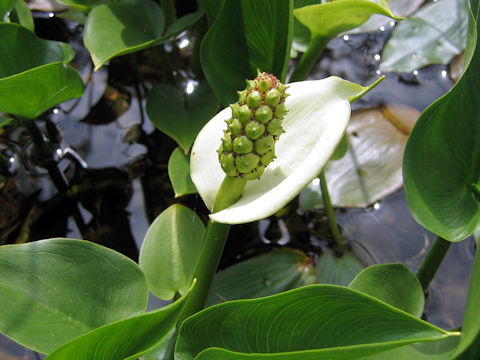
(432, 261)
(332, 221)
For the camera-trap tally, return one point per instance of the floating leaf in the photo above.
(170, 250)
(394, 284)
(126, 339)
(441, 167)
(33, 74)
(181, 118)
(433, 35)
(312, 322)
(179, 173)
(267, 274)
(337, 270)
(52, 291)
(246, 36)
(371, 169)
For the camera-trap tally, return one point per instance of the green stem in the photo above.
(309, 58)
(212, 248)
(332, 221)
(432, 261)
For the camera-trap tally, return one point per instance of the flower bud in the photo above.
(248, 144)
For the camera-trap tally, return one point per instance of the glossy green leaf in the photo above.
(326, 21)
(179, 173)
(263, 275)
(394, 284)
(170, 249)
(125, 339)
(438, 350)
(441, 166)
(337, 270)
(33, 74)
(52, 291)
(178, 115)
(122, 27)
(163, 350)
(399, 7)
(469, 347)
(332, 322)
(432, 35)
(212, 8)
(246, 36)
(23, 15)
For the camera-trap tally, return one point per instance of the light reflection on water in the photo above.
(390, 234)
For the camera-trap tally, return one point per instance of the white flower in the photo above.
(318, 114)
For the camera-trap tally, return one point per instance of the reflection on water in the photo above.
(390, 234)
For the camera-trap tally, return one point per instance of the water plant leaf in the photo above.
(469, 346)
(179, 173)
(322, 107)
(243, 39)
(371, 169)
(326, 21)
(394, 284)
(121, 28)
(40, 307)
(401, 8)
(82, 5)
(33, 72)
(181, 117)
(441, 166)
(337, 270)
(23, 15)
(432, 35)
(312, 322)
(125, 339)
(170, 249)
(263, 275)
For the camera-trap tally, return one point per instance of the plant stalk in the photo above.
(309, 58)
(432, 261)
(212, 248)
(332, 221)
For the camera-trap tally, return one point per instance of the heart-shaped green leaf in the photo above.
(122, 27)
(394, 284)
(263, 275)
(170, 250)
(33, 74)
(337, 270)
(433, 35)
(312, 322)
(52, 291)
(125, 339)
(441, 165)
(246, 36)
(179, 173)
(181, 117)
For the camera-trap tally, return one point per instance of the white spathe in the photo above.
(318, 114)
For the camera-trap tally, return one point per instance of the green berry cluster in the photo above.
(248, 143)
